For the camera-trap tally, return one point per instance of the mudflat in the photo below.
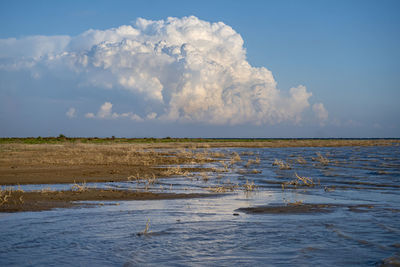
(74, 161)
(66, 162)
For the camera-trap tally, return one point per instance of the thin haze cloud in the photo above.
(320, 112)
(183, 69)
(71, 113)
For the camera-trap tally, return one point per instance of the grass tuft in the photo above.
(79, 187)
(299, 181)
(321, 159)
(235, 158)
(281, 164)
(249, 186)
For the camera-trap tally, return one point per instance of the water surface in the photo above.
(210, 231)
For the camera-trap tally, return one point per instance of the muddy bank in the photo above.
(90, 174)
(17, 201)
(289, 209)
(303, 208)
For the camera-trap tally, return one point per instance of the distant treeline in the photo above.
(62, 138)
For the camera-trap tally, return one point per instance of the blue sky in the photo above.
(343, 52)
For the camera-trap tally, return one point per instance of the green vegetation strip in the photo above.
(113, 140)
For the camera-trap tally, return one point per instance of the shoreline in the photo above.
(20, 201)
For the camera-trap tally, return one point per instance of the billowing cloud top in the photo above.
(185, 69)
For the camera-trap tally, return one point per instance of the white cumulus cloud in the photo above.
(183, 69)
(105, 112)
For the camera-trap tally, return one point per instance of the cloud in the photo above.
(71, 113)
(90, 115)
(151, 116)
(33, 47)
(181, 69)
(320, 112)
(105, 112)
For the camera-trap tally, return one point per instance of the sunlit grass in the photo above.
(222, 188)
(235, 158)
(249, 186)
(299, 181)
(6, 196)
(321, 159)
(146, 229)
(252, 161)
(281, 164)
(79, 187)
(301, 160)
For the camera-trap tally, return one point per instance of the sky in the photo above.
(258, 69)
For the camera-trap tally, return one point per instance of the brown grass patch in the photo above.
(65, 163)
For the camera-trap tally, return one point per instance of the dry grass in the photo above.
(79, 187)
(252, 162)
(295, 203)
(152, 180)
(281, 164)
(218, 155)
(224, 165)
(219, 170)
(6, 195)
(299, 181)
(249, 187)
(64, 163)
(134, 177)
(226, 186)
(321, 159)
(204, 176)
(146, 229)
(235, 158)
(305, 180)
(91, 154)
(177, 170)
(301, 160)
(230, 187)
(222, 188)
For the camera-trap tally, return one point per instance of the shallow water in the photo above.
(197, 232)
